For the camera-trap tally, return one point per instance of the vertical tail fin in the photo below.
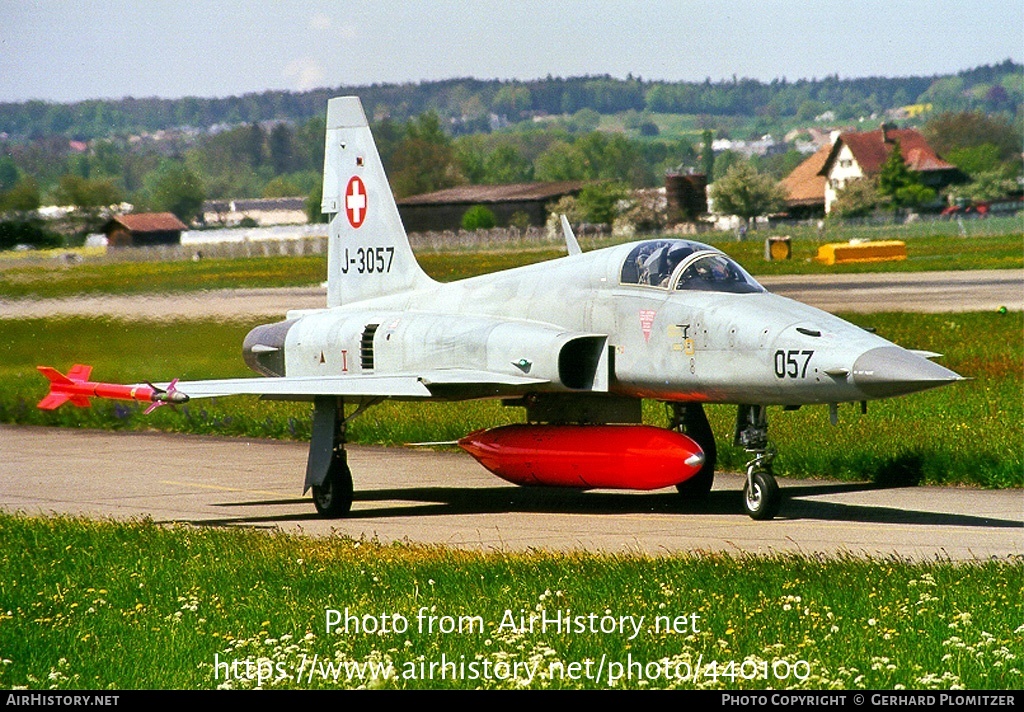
(368, 252)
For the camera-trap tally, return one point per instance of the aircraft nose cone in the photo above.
(892, 371)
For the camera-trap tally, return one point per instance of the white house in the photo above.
(862, 155)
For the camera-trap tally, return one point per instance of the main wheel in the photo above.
(698, 486)
(761, 496)
(333, 498)
(696, 427)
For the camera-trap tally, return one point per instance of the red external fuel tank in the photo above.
(638, 457)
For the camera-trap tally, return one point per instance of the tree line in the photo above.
(177, 170)
(283, 160)
(470, 105)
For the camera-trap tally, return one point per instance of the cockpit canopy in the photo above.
(682, 264)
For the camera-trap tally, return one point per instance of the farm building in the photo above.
(443, 209)
(262, 211)
(813, 185)
(805, 186)
(859, 155)
(143, 229)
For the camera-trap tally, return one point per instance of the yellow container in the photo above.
(875, 251)
(778, 248)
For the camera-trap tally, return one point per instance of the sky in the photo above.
(61, 51)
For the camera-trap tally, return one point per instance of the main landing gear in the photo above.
(761, 496)
(334, 497)
(327, 472)
(690, 420)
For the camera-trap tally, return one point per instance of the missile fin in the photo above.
(55, 376)
(53, 401)
(80, 372)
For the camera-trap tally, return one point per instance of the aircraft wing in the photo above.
(455, 384)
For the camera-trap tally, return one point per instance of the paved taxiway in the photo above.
(446, 498)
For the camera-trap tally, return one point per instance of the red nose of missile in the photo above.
(586, 456)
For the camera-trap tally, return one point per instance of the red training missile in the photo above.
(76, 388)
(586, 456)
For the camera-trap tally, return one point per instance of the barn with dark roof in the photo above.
(443, 209)
(143, 229)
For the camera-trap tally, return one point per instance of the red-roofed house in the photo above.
(805, 186)
(140, 229)
(862, 155)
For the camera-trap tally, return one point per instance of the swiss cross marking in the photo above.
(355, 201)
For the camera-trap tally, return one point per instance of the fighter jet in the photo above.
(578, 342)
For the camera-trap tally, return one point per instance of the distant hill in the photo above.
(474, 105)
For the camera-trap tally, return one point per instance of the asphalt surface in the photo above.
(928, 292)
(405, 494)
(952, 291)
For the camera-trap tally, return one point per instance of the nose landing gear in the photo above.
(761, 496)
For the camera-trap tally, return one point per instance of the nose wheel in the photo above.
(761, 497)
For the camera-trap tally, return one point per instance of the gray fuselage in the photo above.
(652, 341)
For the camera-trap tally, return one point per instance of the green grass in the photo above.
(966, 433)
(101, 605)
(997, 243)
(63, 280)
(924, 254)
